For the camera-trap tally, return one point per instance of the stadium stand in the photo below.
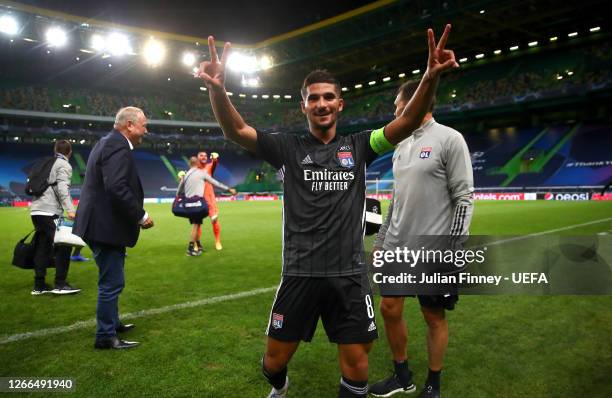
(158, 179)
(513, 80)
(555, 155)
(531, 157)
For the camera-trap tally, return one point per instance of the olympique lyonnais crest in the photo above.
(425, 152)
(346, 159)
(277, 321)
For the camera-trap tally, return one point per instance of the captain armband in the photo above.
(379, 142)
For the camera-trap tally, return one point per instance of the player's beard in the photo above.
(332, 119)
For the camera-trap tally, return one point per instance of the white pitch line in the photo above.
(218, 299)
(134, 315)
(550, 231)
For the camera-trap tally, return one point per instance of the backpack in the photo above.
(38, 178)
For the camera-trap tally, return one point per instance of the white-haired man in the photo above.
(110, 215)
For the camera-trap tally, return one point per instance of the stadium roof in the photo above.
(383, 39)
(238, 21)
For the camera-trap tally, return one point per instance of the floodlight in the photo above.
(266, 62)
(250, 81)
(242, 63)
(188, 59)
(56, 37)
(154, 52)
(8, 25)
(118, 44)
(98, 43)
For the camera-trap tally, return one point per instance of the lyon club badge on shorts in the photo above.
(425, 152)
(346, 159)
(277, 321)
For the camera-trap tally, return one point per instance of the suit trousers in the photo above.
(111, 280)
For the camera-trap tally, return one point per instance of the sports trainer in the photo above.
(324, 272)
(45, 209)
(193, 183)
(110, 215)
(433, 196)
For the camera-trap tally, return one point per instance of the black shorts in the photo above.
(447, 302)
(344, 304)
(196, 220)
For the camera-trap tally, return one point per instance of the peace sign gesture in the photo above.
(213, 71)
(440, 59)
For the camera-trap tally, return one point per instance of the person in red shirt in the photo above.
(209, 195)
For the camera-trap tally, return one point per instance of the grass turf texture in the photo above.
(500, 346)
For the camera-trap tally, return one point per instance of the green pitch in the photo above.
(500, 346)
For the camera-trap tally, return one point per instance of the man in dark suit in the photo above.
(110, 215)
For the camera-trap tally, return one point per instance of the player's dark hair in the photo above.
(62, 146)
(408, 89)
(319, 76)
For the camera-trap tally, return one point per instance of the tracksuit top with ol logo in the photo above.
(434, 185)
(324, 201)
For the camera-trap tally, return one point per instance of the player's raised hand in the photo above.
(440, 59)
(213, 71)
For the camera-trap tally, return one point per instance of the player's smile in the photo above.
(322, 105)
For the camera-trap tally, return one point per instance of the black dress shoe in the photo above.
(114, 343)
(124, 328)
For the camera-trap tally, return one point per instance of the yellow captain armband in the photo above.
(379, 142)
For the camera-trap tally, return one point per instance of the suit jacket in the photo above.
(111, 204)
